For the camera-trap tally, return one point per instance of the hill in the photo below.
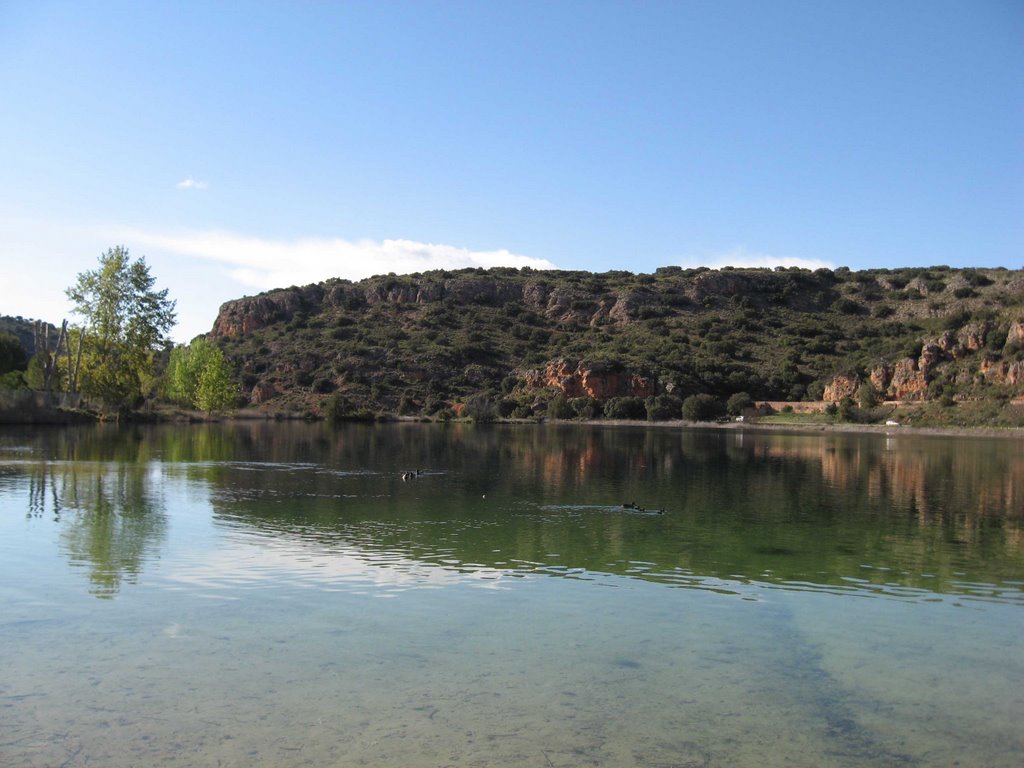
(517, 338)
(23, 330)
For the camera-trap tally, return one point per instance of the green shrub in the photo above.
(846, 409)
(663, 407)
(702, 407)
(559, 408)
(625, 408)
(585, 407)
(13, 380)
(323, 386)
(867, 395)
(847, 306)
(337, 409)
(738, 403)
(480, 409)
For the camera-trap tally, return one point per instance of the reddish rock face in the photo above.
(237, 318)
(1002, 372)
(908, 380)
(1015, 336)
(972, 336)
(262, 392)
(842, 385)
(880, 377)
(947, 342)
(582, 379)
(1015, 373)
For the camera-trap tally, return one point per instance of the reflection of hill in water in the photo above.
(845, 511)
(856, 512)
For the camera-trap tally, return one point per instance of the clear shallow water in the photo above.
(277, 595)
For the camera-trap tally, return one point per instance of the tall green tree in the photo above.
(216, 390)
(124, 321)
(199, 376)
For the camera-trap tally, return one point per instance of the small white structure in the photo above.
(739, 418)
(891, 423)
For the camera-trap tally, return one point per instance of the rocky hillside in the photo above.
(516, 338)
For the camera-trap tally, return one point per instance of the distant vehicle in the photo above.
(891, 423)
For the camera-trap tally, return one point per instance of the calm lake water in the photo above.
(277, 595)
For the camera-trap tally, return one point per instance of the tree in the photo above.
(198, 375)
(867, 395)
(125, 321)
(215, 391)
(627, 407)
(739, 403)
(480, 409)
(12, 354)
(663, 407)
(846, 409)
(559, 408)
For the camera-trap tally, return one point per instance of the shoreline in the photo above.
(181, 417)
(753, 426)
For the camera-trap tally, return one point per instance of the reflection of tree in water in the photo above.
(769, 507)
(112, 519)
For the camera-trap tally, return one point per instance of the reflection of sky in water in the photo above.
(246, 563)
(242, 564)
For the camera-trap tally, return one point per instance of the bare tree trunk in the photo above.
(67, 352)
(55, 358)
(41, 334)
(78, 363)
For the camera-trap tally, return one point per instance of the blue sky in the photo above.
(244, 146)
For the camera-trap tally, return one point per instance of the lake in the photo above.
(261, 594)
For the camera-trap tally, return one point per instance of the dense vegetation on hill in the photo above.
(516, 340)
(24, 331)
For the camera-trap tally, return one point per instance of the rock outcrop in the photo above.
(261, 393)
(1002, 371)
(842, 385)
(600, 381)
(909, 380)
(243, 316)
(1015, 337)
(972, 337)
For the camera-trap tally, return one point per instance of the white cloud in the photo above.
(741, 257)
(264, 264)
(191, 183)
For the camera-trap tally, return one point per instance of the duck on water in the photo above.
(632, 506)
